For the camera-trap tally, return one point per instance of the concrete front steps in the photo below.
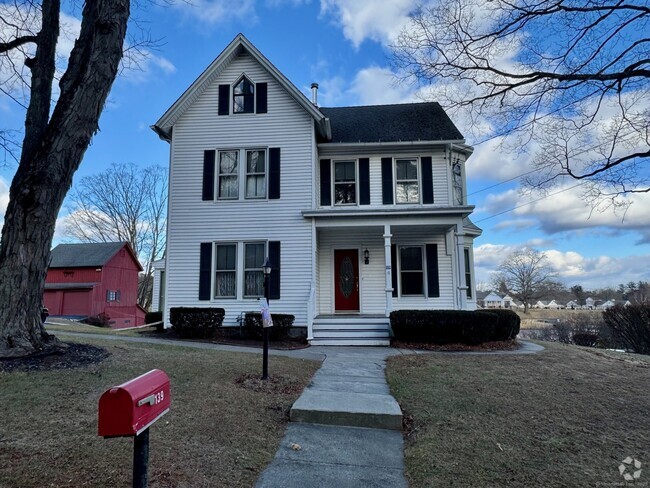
(351, 330)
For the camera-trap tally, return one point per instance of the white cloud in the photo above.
(379, 20)
(213, 12)
(567, 209)
(571, 267)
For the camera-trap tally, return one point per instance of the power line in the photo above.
(508, 180)
(529, 203)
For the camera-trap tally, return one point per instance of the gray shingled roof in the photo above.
(84, 255)
(391, 123)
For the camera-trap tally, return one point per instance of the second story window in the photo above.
(243, 97)
(255, 174)
(345, 183)
(407, 188)
(228, 175)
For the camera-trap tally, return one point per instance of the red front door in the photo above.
(346, 280)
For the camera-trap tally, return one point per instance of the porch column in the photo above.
(389, 276)
(460, 261)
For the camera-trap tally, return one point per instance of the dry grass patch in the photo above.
(91, 329)
(566, 416)
(218, 433)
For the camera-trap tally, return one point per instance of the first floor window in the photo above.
(407, 189)
(255, 174)
(253, 274)
(345, 183)
(411, 271)
(468, 274)
(226, 271)
(112, 295)
(227, 175)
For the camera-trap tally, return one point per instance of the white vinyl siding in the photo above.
(192, 221)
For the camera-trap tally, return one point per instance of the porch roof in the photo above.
(392, 216)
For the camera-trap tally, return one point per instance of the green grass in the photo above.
(217, 433)
(566, 416)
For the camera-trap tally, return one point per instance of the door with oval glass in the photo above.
(346, 280)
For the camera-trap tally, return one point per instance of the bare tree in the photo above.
(55, 140)
(123, 203)
(526, 274)
(568, 77)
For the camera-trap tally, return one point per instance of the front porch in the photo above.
(351, 330)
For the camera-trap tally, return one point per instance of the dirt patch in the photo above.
(485, 347)
(274, 384)
(74, 356)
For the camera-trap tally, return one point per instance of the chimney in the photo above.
(314, 93)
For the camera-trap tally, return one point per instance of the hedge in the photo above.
(281, 325)
(453, 326)
(196, 323)
(630, 326)
(152, 317)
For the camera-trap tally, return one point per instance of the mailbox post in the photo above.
(128, 410)
(266, 268)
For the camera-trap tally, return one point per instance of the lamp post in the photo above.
(266, 267)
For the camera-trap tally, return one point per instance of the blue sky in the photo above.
(343, 45)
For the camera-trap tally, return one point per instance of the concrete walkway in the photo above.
(346, 427)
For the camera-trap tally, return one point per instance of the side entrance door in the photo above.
(346, 280)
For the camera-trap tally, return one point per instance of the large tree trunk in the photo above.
(51, 154)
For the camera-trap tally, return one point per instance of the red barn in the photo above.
(86, 280)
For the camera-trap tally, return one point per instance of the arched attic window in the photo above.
(243, 97)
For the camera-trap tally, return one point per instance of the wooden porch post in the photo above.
(460, 262)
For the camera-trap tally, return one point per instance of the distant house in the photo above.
(86, 280)
(590, 303)
(605, 305)
(573, 305)
(507, 301)
(493, 300)
(554, 306)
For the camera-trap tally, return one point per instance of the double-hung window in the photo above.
(226, 271)
(228, 175)
(411, 270)
(243, 97)
(255, 173)
(468, 274)
(407, 187)
(253, 275)
(345, 183)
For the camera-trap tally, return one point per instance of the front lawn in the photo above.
(91, 329)
(566, 416)
(223, 428)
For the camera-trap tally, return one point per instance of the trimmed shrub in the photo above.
(101, 320)
(196, 323)
(282, 323)
(585, 339)
(630, 325)
(444, 326)
(508, 326)
(152, 317)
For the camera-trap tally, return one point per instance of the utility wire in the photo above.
(529, 203)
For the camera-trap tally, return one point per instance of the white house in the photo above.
(493, 300)
(589, 303)
(361, 210)
(606, 305)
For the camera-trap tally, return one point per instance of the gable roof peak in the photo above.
(164, 126)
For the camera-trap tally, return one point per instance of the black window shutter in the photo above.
(205, 271)
(387, 180)
(393, 268)
(364, 181)
(261, 97)
(432, 270)
(274, 173)
(274, 259)
(208, 175)
(427, 180)
(224, 99)
(325, 182)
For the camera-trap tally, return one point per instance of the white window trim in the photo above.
(419, 179)
(237, 175)
(425, 291)
(232, 95)
(244, 269)
(241, 174)
(214, 269)
(356, 182)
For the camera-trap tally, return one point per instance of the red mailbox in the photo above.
(130, 408)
